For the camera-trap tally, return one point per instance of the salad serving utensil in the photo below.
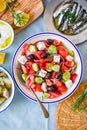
(44, 110)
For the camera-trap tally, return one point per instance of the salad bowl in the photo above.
(49, 63)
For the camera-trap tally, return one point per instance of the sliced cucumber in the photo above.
(35, 67)
(75, 66)
(38, 80)
(33, 48)
(49, 67)
(45, 95)
(24, 76)
(66, 76)
(55, 68)
(62, 80)
(71, 53)
(52, 49)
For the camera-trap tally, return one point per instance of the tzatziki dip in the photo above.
(6, 35)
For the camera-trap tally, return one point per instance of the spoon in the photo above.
(45, 112)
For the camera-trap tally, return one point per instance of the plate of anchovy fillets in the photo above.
(68, 18)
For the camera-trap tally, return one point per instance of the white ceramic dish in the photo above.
(44, 36)
(8, 101)
(48, 20)
(4, 35)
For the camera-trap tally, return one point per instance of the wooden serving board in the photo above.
(68, 119)
(33, 7)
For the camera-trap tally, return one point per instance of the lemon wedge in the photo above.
(2, 57)
(2, 5)
(21, 18)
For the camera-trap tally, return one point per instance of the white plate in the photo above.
(76, 39)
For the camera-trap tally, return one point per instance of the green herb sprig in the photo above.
(69, 16)
(83, 107)
(76, 104)
(18, 17)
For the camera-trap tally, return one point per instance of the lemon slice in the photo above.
(21, 18)
(2, 5)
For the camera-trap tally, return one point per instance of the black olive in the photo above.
(49, 41)
(31, 57)
(44, 55)
(48, 75)
(62, 59)
(59, 75)
(52, 88)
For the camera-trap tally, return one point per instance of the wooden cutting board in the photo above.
(68, 119)
(33, 7)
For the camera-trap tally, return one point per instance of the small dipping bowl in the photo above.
(6, 35)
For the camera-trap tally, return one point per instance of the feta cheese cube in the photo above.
(56, 58)
(42, 73)
(69, 58)
(22, 60)
(68, 83)
(41, 46)
(44, 87)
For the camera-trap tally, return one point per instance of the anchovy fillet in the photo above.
(58, 11)
(80, 23)
(65, 25)
(60, 19)
(81, 28)
(74, 8)
(77, 25)
(80, 14)
(78, 10)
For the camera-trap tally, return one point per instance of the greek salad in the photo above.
(48, 67)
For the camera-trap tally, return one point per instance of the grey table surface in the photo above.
(24, 114)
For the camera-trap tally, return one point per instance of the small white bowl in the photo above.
(8, 101)
(4, 23)
(44, 36)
